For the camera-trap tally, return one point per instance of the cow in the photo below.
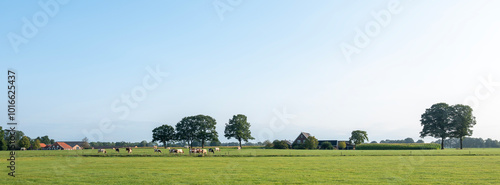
(157, 150)
(155, 147)
(203, 151)
(101, 150)
(217, 149)
(239, 148)
(117, 150)
(173, 151)
(179, 151)
(129, 149)
(168, 148)
(211, 150)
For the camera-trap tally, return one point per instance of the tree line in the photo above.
(407, 140)
(22, 140)
(202, 129)
(469, 142)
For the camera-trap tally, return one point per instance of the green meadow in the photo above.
(257, 166)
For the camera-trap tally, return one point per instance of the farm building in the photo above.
(43, 145)
(304, 135)
(302, 138)
(60, 146)
(76, 145)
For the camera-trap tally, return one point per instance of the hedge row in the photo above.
(399, 146)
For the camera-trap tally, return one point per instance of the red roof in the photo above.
(42, 145)
(63, 145)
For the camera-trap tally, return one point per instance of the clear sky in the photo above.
(89, 68)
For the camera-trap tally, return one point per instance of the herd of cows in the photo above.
(175, 151)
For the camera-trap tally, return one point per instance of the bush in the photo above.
(342, 145)
(399, 146)
(298, 146)
(280, 144)
(326, 146)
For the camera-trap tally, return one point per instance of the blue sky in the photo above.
(281, 63)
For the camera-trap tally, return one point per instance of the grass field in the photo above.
(258, 166)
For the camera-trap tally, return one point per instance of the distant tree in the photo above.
(3, 142)
(409, 140)
(164, 134)
(238, 128)
(144, 143)
(326, 146)
(85, 143)
(358, 137)
(342, 145)
(277, 144)
(268, 144)
(206, 130)
(436, 122)
(420, 141)
(215, 142)
(311, 143)
(374, 142)
(46, 140)
(25, 142)
(462, 122)
(36, 145)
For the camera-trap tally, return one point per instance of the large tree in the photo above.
(85, 143)
(36, 145)
(206, 131)
(311, 143)
(187, 130)
(239, 128)
(164, 134)
(24, 142)
(358, 137)
(462, 122)
(436, 122)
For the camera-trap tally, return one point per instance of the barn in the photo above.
(304, 135)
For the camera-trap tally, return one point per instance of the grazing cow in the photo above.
(173, 151)
(157, 150)
(239, 148)
(211, 150)
(179, 151)
(168, 148)
(101, 151)
(129, 149)
(217, 149)
(117, 150)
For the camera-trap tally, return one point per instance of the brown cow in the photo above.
(217, 149)
(129, 149)
(239, 148)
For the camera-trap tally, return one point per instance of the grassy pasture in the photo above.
(257, 166)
